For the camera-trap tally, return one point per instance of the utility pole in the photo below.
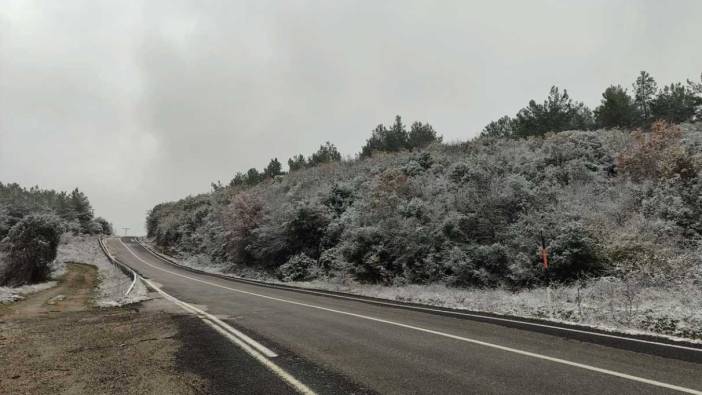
(125, 230)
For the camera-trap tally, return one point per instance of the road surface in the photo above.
(336, 345)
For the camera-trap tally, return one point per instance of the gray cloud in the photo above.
(140, 103)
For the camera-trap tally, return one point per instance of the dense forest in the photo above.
(615, 191)
(31, 223)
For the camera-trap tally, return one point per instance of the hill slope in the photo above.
(616, 205)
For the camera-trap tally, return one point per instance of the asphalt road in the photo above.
(335, 345)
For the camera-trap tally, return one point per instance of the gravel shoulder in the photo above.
(58, 341)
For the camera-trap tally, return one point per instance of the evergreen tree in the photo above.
(503, 127)
(675, 103)
(253, 177)
(696, 88)
(421, 135)
(556, 114)
(645, 92)
(273, 169)
(388, 140)
(82, 211)
(325, 154)
(374, 142)
(617, 109)
(396, 137)
(297, 162)
(239, 179)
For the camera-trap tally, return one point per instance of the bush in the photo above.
(31, 246)
(644, 157)
(575, 254)
(239, 219)
(462, 214)
(305, 230)
(299, 267)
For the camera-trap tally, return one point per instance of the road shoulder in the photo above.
(56, 341)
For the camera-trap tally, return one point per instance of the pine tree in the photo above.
(396, 138)
(297, 162)
(503, 127)
(273, 169)
(675, 103)
(393, 139)
(421, 135)
(374, 142)
(80, 206)
(557, 113)
(325, 154)
(617, 109)
(645, 89)
(253, 177)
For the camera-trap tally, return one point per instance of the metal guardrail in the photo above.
(513, 321)
(124, 268)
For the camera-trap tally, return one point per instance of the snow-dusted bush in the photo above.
(467, 214)
(31, 246)
(299, 267)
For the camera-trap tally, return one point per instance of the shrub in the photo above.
(299, 267)
(240, 218)
(105, 227)
(31, 246)
(339, 199)
(305, 230)
(644, 157)
(574, 253)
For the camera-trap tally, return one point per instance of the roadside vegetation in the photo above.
(31, 224)
(613, 193)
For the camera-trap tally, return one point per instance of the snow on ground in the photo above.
(670, 310)
(113, 283)
(605, 303)
(8, 294)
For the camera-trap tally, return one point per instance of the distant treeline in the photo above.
(675, 103)
(31, 223)
(383, 139)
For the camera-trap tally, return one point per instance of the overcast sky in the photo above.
(142, 102)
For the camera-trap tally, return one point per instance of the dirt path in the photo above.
(73, 293)
(55, 341)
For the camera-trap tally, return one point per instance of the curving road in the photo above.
(340, 345)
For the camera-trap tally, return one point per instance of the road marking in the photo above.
(420, 308)
(292, 381)
(303, 389)
(203, 314)
(443, 334)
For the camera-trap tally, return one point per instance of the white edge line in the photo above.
(270, 365)
(455, 337)
(133, 283)
(206, 318)
(246, 339)
(458, 313)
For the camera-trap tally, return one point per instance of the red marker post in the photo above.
(543, 251)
